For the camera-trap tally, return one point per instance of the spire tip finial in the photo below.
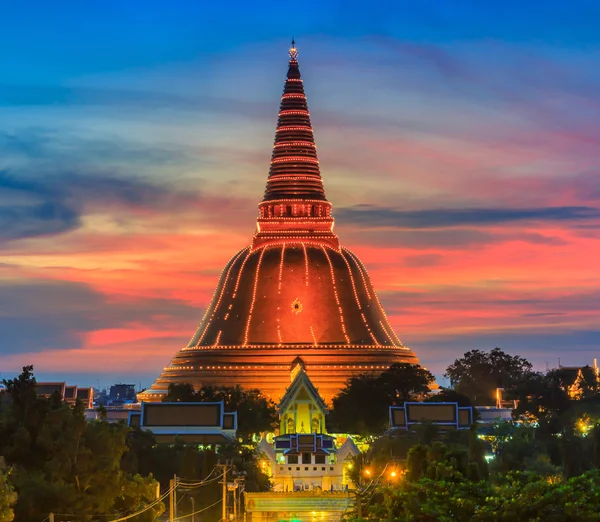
(293, 50)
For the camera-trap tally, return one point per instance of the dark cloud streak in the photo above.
(382, 217)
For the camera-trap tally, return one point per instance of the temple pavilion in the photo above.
(308, 468)
(293, 290)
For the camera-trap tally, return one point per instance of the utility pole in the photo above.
(225, 468)
(172, 486)
(174, 497)
(235, 503)
(193, 508)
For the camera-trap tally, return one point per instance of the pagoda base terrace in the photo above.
(267, 367)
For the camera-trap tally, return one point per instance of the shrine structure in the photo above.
(293, 291)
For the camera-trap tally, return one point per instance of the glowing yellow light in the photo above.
(368, 472)
(393, 474)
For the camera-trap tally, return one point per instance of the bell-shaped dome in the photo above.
(294, 291)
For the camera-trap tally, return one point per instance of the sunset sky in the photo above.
(459, 146)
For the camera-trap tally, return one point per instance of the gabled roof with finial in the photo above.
(301, 382)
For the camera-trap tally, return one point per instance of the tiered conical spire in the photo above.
(294, 205)
(294, 172)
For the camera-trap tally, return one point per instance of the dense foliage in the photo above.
(60, 463)
(478, 374)
(255, 413)
(362, 406)
(7, 499)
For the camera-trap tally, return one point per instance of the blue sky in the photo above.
(458, 143)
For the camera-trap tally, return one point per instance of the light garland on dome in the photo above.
(360, 264)
(386, 332)
(290, 112)
(262, 253)
(280, 144)
(313, 336)
(295, 177)
(237, 282)
(229, 263)
(293, 95)
(296, 346)
(218, 337)
(279, 292)
(337, 300)
(301, 159)
(283, 128)
(356, 297)
(216, 306)
(306, 267)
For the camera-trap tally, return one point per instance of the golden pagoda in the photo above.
(293, 291)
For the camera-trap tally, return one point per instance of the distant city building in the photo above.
(293, 291)
(68, 393)
(122, 393)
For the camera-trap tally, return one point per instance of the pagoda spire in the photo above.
(294, 171)
(294, 192)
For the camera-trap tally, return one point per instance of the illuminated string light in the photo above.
(306, 267)
(290, 112)
(218, 337)
(279, 292)
(295, 144)
(262, 253)
(295, 158)
(357, 299)
(359, 264)
(337, 300)
(313, 336)
(216, 306)
(229, 263)
(284, 128)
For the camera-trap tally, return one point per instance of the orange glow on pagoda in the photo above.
(294, 291)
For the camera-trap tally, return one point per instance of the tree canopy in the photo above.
(444, 483)
(7, 499)
(61, 463)
(478, 374)
(362, 406)
(255, 412)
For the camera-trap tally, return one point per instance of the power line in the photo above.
(149, 506)
(199, 511)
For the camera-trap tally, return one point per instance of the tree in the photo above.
(255, 412)
(478, 374)
(449, 395)
(7, 499)
(60, 463)
(402, 381)
(362, 406)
